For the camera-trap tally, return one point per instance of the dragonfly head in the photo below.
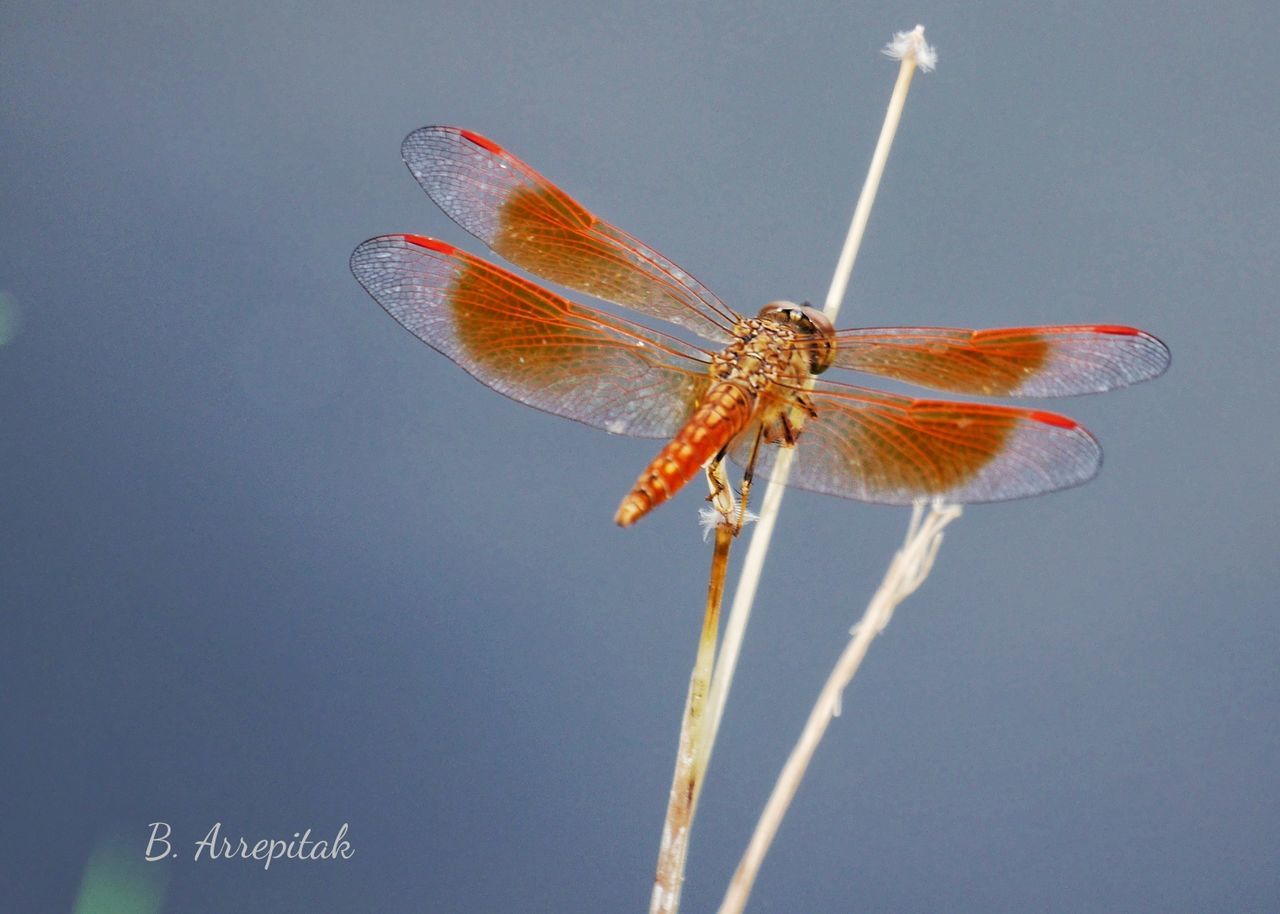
(813, 327)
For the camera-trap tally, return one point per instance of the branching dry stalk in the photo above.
(907, 571)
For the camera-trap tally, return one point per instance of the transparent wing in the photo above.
(530, 344)
(530, 222)
(1013, 361)
(880, 447)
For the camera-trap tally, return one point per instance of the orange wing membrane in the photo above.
(880, 447)
(533, 345)
(532, 223)
(1009, 362)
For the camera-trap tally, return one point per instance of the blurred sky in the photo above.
(267, 560)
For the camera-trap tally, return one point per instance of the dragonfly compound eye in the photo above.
(820, 336)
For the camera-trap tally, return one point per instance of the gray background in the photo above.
(267, 560)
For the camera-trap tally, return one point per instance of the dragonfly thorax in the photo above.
(784, 344)
(813, 330)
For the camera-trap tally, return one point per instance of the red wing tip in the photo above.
(430, 244)
(1053, 419)
(1116, 329)
(480, 141)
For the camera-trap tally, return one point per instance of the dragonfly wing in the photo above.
(531, 344)
(1013, 361)
(880, 447)
(530, 222)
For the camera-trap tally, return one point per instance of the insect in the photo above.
(757, 391)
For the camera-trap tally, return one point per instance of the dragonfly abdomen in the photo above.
(723, 413)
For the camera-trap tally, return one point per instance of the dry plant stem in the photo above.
(698, 733)
(909, 568)
(691, 757)
(749, 579)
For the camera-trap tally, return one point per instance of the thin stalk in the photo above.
(691, 757)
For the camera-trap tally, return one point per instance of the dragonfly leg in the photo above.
(721, 496)
(785, 426)
(748, 474)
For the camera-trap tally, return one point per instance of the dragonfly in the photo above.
(750, 388)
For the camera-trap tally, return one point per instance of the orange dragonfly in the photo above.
(759, 386)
